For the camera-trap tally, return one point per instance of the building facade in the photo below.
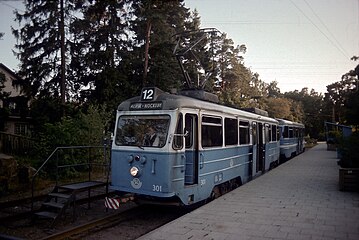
(14, 105)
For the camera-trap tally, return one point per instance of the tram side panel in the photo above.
(227, 144)
(291, 138)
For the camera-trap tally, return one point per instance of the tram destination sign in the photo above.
(146, 106)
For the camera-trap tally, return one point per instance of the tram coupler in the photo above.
(114, 203)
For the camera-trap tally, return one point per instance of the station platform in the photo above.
(299, 199)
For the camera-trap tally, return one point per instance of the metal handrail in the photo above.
(69, 165)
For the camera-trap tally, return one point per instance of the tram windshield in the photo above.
(142, 131)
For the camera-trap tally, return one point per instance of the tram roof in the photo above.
(175, 101)
(289, 123)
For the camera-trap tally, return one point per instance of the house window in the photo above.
(12, 105)
(20, 129)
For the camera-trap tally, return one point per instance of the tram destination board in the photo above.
(146, 106)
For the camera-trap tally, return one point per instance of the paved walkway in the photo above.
(297, 200)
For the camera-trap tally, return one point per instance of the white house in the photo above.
(17, 121)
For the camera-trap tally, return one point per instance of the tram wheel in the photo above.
(216, 192)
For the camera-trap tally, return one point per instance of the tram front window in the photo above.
(142, 131)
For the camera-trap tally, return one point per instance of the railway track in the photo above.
(21, 208)
(130, 222)
(95, 225)
(128, 225)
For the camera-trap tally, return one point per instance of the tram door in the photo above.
(191, 140)
(260, 148)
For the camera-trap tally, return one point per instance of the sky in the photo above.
(298, 43)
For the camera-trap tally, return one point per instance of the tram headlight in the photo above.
(134, 171)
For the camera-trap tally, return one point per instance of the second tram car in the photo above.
(291, 138)
(179, 149)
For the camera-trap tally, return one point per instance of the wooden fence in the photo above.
(12, 144)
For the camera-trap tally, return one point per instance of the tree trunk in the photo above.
(63, 62)
(147, 46)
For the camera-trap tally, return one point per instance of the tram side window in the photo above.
(230, 131)
(291, 132)
(178, 138)
(254, 133)
(268, 133)
(278, 133)
(190, 122)
(285, 132)
(212, 132)
(243, 132)
(274, 133)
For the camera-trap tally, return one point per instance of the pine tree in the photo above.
(42, 46)
(3, 94)
(100, 51)
(155, 25)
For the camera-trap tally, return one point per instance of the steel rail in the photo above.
(95, 225)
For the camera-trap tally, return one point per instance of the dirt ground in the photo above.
(28, 229)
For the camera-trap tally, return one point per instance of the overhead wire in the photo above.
(320, 20)
(310, 20)
(4, 2)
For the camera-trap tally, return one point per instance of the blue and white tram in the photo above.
(291, 138)
(202, 149)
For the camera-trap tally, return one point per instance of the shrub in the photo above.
(87, 128)
(334, 137)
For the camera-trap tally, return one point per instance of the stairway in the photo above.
(56, 204)
(63, 197)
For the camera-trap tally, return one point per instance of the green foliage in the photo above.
(38, 46)
(279, 108)
(3, 95)
(85, 129)
(334, 137)
(308, 108)
(337, 97)
(165, 19)
(46, 110)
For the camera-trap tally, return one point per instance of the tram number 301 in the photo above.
(156, 188)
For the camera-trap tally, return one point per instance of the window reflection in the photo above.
(142, 131)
